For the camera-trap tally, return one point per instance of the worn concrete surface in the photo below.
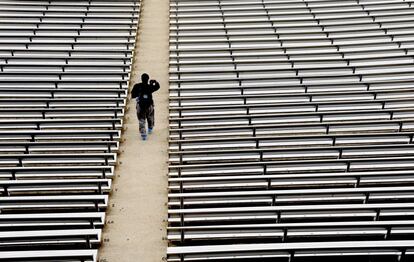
(136, 218)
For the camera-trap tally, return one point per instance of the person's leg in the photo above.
(141, 120)
(142, 128)
(151, 118)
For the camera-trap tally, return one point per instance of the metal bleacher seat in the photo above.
(64, 76)
(291, 130)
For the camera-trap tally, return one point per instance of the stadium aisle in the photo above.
(135, 227)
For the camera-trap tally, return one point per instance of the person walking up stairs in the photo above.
(142, 92)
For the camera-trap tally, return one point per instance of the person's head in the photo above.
(144, 78)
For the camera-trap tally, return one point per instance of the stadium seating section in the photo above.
(64, 71)
(291, 130)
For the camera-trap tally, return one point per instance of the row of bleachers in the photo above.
(64, 76)
(291, 130)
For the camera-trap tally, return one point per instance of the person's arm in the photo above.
(135, 92)
(155, 86)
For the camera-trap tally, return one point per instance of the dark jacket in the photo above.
(141, 89)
